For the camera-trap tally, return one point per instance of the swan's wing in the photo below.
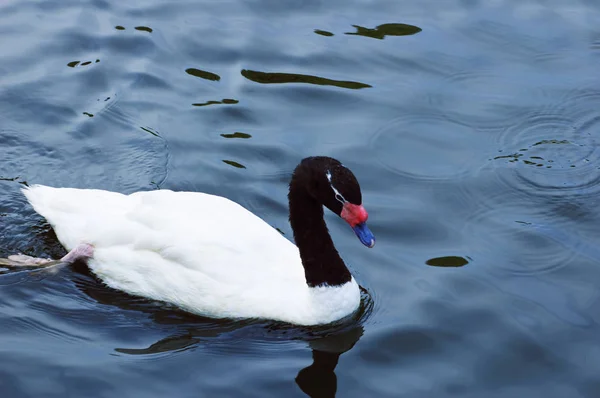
(216, 235)
(194, 231)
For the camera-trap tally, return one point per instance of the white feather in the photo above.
(203, 253)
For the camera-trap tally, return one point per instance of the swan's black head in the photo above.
(336, 187)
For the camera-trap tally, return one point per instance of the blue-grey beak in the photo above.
(364, 234)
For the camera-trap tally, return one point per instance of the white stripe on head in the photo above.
(338, 196)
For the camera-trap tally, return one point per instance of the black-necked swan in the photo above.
(209, 255)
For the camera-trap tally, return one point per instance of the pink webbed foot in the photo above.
(82, 252)
(22, 260)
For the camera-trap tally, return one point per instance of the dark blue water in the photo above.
(473, 127)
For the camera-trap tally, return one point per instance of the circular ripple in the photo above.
(428, 146)
(500, 231)
(552, 155)
(545, 173)
(484, 99)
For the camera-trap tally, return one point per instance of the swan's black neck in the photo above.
(322, 263)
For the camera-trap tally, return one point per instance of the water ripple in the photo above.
(553, 154)
(483, 98)
(427, 146)
(186, 331)
(502, 219)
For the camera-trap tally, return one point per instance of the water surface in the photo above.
(471, 125)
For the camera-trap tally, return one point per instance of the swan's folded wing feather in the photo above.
(201, 232)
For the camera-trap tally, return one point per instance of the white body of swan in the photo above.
(203, 253)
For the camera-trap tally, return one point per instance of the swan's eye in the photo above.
(340, 180)
(338, 196)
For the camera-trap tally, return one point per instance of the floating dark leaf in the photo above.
(388, 29)
(323, 32)
(203, 74)
(234, 164)
(448, 261)
(278, 78)
(236, 135)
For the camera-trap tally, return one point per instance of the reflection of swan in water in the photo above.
(319, 379)
(188, 331)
